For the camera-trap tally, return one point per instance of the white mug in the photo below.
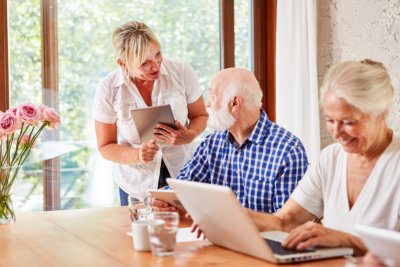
(140, 233)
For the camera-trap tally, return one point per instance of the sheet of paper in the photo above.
(184, 235)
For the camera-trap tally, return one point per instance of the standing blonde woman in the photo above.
(357, 179)
(145, 79)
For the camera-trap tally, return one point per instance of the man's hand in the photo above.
(159, 205)
(195, 227)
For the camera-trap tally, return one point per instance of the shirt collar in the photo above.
(258, 133)
(260, 130)
(163, 70)
(121, 77)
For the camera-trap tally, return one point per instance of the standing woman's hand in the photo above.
(147, 151)
(182, 135)
(197, 116)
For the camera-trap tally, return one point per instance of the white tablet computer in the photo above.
(383, 243)
(146, 119)
(168, 196)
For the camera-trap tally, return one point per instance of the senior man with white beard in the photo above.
(261, 161)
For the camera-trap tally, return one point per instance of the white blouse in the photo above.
(323, 191)
(116, 95)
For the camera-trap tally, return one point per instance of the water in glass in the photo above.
(163, 232)
(138, 206)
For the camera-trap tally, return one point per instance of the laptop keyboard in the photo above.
(277, 248)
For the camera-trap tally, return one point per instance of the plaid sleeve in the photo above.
(293, 167)
(197, 168)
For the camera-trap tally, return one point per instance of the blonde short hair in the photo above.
(131, 44)
(364, 85)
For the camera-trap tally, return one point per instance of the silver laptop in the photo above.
(225, 223)
(146, 119)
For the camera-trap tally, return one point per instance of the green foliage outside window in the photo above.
(188, 30)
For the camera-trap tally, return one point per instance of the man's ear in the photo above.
(236, 103)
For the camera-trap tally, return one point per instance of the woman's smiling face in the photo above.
(150, 69)
(356, 131)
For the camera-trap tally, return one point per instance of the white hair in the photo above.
(364, 85)
(235, 87)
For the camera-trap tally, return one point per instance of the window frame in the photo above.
(50, 83)
(4, 82)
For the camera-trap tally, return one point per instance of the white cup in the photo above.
(140, 233)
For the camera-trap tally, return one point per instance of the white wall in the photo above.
(358, 29)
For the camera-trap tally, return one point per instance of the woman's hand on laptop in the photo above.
(312, 234)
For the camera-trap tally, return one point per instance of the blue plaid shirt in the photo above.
(262, 172)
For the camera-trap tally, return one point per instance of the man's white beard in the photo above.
(220, 119)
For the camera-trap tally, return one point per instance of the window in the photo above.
(242, 31)
(187, 29)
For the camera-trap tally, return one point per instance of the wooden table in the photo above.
(97, 237)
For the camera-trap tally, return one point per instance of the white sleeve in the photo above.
(308, 192)
(103, 107)
(192, 86)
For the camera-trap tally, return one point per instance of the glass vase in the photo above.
(9, 181)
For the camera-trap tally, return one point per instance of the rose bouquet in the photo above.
(20, 126)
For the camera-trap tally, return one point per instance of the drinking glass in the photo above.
(139, 206)
(163, 235)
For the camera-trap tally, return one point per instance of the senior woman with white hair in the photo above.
(145, 79)
(357, 179)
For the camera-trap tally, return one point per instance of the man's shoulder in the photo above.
(280, 134)
(214, 138)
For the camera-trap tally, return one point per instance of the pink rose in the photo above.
(41, 109)
(29, 113)
(13, 110)
(51, 116)
(9, 123)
